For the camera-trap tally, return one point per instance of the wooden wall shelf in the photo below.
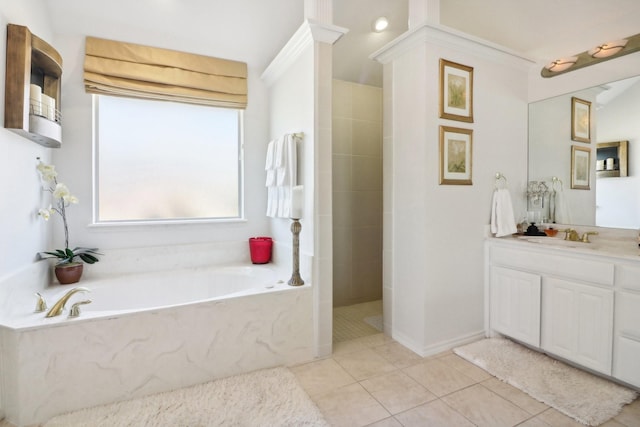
(31, 60)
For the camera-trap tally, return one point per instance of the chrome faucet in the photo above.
(58, 307)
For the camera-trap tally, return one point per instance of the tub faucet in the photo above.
(58, 307)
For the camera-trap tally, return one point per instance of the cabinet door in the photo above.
(514, 307)
(578, 323)
(626, 354)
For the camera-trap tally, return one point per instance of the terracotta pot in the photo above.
(69, 273)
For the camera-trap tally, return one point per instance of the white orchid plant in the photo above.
(62, 200)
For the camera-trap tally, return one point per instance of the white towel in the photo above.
(281, 175)
(503, 222)
(563, 215)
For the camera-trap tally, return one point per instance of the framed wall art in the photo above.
(580, 167)
(580, 120)
(456, 156)
(456, 91)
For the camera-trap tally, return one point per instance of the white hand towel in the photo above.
(563, 215)
(502, 220)
(269, 165)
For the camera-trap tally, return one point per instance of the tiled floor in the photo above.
(349, 321)
(375, 381)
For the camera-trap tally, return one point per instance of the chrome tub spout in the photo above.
(58, 307)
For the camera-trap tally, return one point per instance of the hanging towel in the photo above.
(502, 220)
(281, 166)
(563, 215)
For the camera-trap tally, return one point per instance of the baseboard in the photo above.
(439, 347)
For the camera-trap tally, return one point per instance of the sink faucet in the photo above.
(571, 234)
(57, 308)
(585, 236)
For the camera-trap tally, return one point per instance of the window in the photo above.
(165, 161)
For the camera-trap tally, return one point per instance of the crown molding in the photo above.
(310, 31)
(448, 37)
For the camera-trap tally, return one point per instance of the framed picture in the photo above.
(580, 120)
(580, 167)
(456, 149)
(456, 91)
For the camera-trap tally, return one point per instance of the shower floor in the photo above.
(358, 320)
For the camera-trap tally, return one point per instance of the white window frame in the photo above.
(96, 222)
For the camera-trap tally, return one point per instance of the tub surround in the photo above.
(111, 355)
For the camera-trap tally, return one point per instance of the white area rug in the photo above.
(584, 397)
(269, 397)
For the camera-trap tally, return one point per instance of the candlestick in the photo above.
(297, 201)
(296, 227)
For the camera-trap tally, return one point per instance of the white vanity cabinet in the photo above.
(578, 305)
(626, 344)
(515, 304)
(578, 322)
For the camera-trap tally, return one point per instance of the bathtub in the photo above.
(146, 333)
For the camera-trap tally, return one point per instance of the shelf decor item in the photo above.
(68, 269)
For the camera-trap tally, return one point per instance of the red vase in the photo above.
(69, 273)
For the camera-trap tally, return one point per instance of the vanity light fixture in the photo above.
(380, 24)
(561, 64)
(607, 49)
(602, 52)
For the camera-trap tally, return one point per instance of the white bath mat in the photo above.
(584, 397)
(269, 397)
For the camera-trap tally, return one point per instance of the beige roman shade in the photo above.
(132, 70)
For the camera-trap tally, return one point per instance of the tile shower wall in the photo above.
(357, 193)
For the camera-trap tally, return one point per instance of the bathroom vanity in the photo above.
(576, 301)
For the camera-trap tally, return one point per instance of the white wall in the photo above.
(433, 241)
(23, 232)
(618, 199)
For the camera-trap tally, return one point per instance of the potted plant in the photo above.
(68, 269)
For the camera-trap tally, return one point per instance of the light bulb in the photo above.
(380, 24)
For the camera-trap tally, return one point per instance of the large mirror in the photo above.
(592, 197)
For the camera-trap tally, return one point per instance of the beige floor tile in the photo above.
(364, 364)
(485, 408)
(438, 377)
(398, 355)
(348, 321)
(387, 422)
(558, 419)
(612, 423)
(350, 406)
(436, 414)
(374, 340)
(397, 392)
(630, 414)
(534, 422)
(321, 376)
(344, 347)
(467, 368)
(516, 396)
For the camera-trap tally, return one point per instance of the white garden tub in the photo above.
(147, 333)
